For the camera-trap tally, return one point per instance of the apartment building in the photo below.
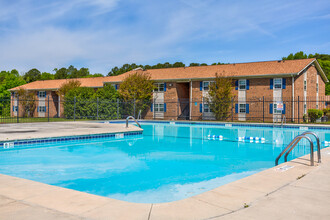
(269, 89)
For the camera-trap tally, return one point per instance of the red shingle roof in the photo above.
(255, 69)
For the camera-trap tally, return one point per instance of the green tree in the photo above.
(220, 95)
(194, 64)
(137, 88)
(32, 75)
(179, 64)
(47, 76)
(27, 102)
(61, 73)
(8, 80)
(68, 86)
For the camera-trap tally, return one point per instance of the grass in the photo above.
(6, 120)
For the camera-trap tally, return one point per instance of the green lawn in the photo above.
(4, 120)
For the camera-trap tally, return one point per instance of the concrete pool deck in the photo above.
(9, 132)
(300, 192)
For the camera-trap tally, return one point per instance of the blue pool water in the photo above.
(166, 163)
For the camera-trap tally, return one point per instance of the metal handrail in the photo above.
(283, 119)
(293, 143)
(131, 117)
(139, 115)
(318, 146)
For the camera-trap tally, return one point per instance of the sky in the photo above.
(102, 34)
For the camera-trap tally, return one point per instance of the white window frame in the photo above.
(159, 87)
(206, 108)
(42, 108)
(317, 87)
(278, 83)
(42, 96)
(159, 107)
(242, 84)
(15, 108)
(242, 108)
(206, 85)
(305, 108)
(305, 85)
(275, 111)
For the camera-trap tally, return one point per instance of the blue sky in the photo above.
(101, 34)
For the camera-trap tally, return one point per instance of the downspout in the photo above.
(190, 100)
(293, 99)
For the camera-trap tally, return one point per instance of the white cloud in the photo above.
(103, 33)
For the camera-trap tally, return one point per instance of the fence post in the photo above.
(17, 108)
(263, 109)
(117, 109)
(298, 111)
(74, 109)
(48, 109)
(97, 108)
(232, 109)
(177, 109)
(153, 109)
(134, 108)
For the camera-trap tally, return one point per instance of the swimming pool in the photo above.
(168, 162)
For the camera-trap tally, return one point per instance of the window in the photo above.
(15, 108)
(317, 87)
(159, 87)
(305, 85)
(159, 107)
(42, 108)
(42, 94)
(242, 108)
(305, 109)
(275, 109)
(207, 108)
(242, 84)
(317, 106)
(115, 86)
(206, 85)
(278, 83)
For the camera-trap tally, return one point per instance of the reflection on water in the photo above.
(167, 163)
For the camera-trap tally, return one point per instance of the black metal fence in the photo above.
(257, 109)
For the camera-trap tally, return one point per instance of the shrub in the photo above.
(136, 92)
(314, 114)
(326, 111)
(220, 95)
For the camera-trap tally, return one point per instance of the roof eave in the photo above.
(233, 77)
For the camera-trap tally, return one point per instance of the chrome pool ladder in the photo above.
(294, 143)
(131, 117)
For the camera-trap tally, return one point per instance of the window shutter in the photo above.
(247, 84)
(13, 108)
(38, 109)
(270, 108)
(236, 108)
(38, 93)
(283, 112)
(45, 109)
(116, 87)
(201, 86)
(271, 83)
(236, 85)
(283, 83)
(151, 107)
(201, 108)
(164, 107)
(247, 108)
(164, 87)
